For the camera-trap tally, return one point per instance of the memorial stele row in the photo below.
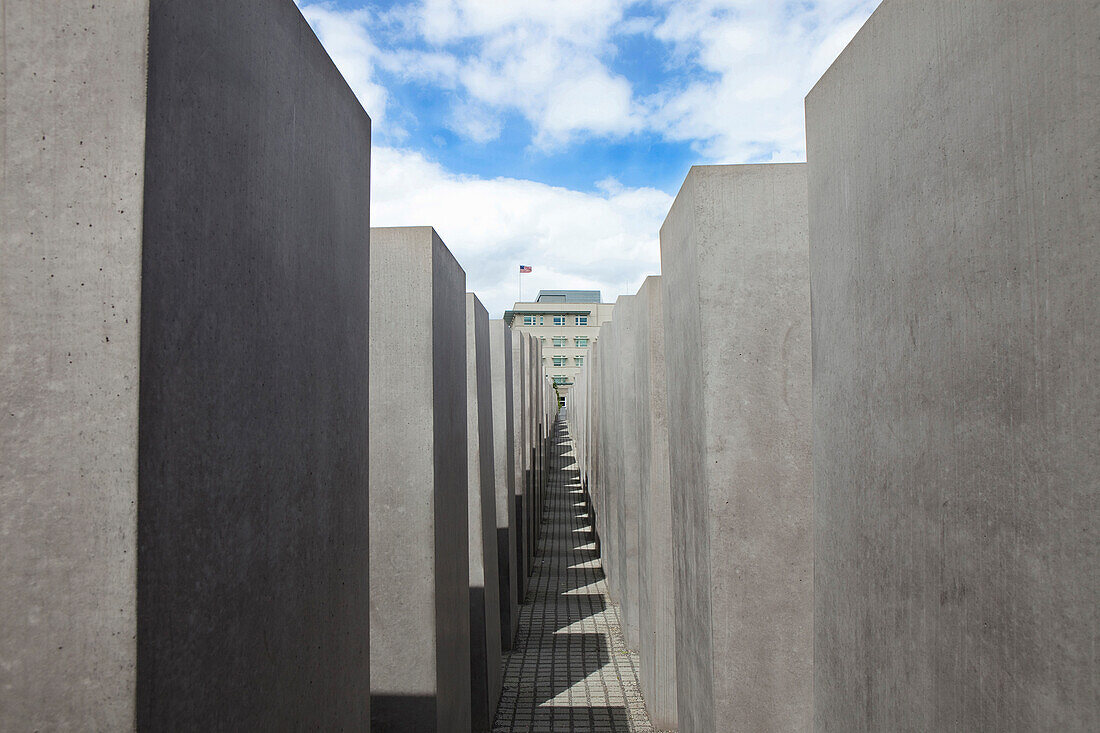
(899, 533)
(875, 513)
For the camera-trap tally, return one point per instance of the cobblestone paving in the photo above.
(569, 670)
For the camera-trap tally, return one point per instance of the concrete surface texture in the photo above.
(419, 609)
(954, 214)
(735, 245)
(485, 652)
(251, 455)
(70, 290)
(656, 582)
(500, 351)
(606, 491)
(628, 464)
(531, 432)
(519, 411)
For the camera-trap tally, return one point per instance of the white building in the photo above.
(567, 322)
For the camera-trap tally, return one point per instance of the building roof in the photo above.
(568, 296)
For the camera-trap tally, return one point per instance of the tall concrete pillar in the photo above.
(656, 581)
(735, 280)
(183, 313)
(955, 240)
(611, 444)
(628, 465)
(500, 350)
(485, 653)
(519, 413)
(419, 557)
(534, 362)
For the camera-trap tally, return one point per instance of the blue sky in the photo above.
(555, 133)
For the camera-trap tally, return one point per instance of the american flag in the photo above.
(525, 268)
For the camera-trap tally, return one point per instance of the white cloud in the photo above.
(734, 84)
(345, 36)
(606, 241)
(542, 58)
(762, 58)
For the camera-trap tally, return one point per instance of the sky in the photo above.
(556, 133)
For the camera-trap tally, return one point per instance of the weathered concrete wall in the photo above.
(500, 349)
(610, 457)
(519, 413)
(419, 615)
(244, 238)
(954, 149)
(485, 654)
(656, 582)
(70, 291)
(734, 245)
(628, 465)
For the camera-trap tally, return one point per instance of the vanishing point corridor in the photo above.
(569, 669)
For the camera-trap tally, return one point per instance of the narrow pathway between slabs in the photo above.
(570, 669)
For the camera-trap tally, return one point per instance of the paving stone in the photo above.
(570, 669)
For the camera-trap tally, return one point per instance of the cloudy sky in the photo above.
(555, 133)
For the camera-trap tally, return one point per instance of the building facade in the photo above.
(567, 322)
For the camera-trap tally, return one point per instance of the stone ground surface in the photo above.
(570, 669)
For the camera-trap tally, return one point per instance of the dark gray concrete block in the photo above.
(955, 221)
(656, 582)
(419, 557)
(485, 654)
(185, 202)
(500, 349)
(735, 288)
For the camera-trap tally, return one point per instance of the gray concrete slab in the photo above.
(735, 287)
(500, 349)
(628, 464)
(70, 285)
(164, 218)
(519, 413)
(419, 558)
(656, 581)
(485, 645)
(955, 218)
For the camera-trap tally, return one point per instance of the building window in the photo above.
(561, 379)
(559, 320)
(561, 341)
(579, 360)
(581, 342)
(582, 320)
(529, 320)
(540, 320)
(560, 360)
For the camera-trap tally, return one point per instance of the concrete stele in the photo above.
(955, 222)
(628, 463)
(735, 288)
(485, 653)
(419, 558)
(656, 581)
(519, 413)
(500, 349)
(162, 220)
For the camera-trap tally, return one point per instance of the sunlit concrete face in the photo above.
(419, 563)
(485, 645)
(954, 216)
(735, 282)
(624, 564)
(656, 582)
(500, 349)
